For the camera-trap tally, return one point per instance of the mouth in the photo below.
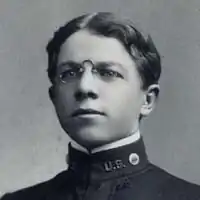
(86, 112)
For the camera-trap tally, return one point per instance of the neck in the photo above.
(124, 141)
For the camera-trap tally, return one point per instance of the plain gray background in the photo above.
(32, 144)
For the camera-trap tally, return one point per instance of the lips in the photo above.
(86, 111)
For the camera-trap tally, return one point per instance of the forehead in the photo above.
(84, 45)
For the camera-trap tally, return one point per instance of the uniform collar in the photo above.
(109, 163)
(124, 141)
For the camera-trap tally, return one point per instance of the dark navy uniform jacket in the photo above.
(122, 173)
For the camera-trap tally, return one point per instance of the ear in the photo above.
(150, 98)
(51, 93)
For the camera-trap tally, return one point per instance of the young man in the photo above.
(104, 76)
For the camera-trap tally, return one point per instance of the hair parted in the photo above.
(140, 48)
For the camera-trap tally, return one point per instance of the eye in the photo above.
(109, 73)
(69, 74)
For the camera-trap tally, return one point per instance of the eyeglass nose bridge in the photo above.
(87, 63)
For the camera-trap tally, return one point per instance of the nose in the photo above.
(87, 87)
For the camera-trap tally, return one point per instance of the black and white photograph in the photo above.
(99, 100)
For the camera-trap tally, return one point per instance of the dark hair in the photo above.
(140, 48)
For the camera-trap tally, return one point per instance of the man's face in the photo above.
(118, 95)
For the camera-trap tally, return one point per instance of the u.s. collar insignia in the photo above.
(114, 165)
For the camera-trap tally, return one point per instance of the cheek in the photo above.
(122, 99)
(64, 99)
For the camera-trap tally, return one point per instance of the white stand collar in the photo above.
(124, 141)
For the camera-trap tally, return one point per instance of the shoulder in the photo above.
(39, 191)
(174, 187)
(158, 184)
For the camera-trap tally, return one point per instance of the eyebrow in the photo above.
(99, 64)
(107, 64)
(69, 63)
